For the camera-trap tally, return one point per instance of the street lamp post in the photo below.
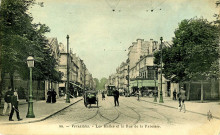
(128, 79)
(118, 82)
(68, 72)
(155, 96)
(161, 94)
(84, 66)
(30, 113)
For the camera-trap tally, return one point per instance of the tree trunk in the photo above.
(213, 93)
(27, 96)
(188, 94)
(2, 83)
(38, 88)
(51, 85)
(12, 80)
(202, 91)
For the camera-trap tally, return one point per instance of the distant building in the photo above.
(79, 78)
(140, 69)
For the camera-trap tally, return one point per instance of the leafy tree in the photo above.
(100, 84)
(14, 27)
(97, 83)
(19, 38)
(194, 52)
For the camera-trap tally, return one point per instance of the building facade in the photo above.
(79, 77)
(139, 71)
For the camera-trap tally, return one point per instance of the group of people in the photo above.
(11, 102)
(51, 96)
(181, 97)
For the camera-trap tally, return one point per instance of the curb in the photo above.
(42, 118)
(177, 108)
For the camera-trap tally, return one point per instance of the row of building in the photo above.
(80, 78)
(138, 72)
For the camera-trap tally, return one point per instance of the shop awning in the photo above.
(63, 85)
(143, 83)
(149, 83)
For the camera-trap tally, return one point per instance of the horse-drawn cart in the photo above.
(90, 97)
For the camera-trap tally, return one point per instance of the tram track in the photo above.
(116, 113)
(139, 116)
(167, 119)
(101, 115)
(97, 112)
(138, 119)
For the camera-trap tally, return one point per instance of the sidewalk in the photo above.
(191, 106)
(42, 110)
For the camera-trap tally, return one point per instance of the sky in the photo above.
(101, 31)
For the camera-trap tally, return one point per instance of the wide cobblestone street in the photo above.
(129, 117)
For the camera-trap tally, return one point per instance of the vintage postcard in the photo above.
(128, 67)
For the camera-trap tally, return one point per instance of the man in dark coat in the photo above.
(116, 96)
(14, 104)
(103, 95)
(174, 94)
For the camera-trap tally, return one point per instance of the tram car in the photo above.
(90, 97)
(110, 90)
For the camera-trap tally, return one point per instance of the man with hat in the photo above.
(116, 96)
(14, 104)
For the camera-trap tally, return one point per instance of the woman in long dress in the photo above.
(49, 94)
(54, 94)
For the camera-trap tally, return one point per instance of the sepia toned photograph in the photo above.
(109, 67)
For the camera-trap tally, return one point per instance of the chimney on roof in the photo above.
(140, 40)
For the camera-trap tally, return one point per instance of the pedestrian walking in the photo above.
(174, 94)
(7, 103)
(49, 96)
(182, 97)
(14, 104)
(53, 95)
(116, 96)
(103, 95)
